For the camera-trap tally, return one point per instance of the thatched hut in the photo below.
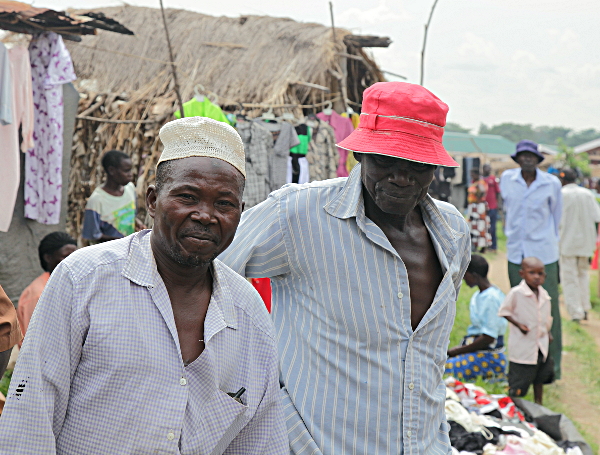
(254, 63)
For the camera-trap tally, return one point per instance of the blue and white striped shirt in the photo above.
(356, 378)
(101, 370)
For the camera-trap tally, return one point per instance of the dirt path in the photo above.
(570, 390)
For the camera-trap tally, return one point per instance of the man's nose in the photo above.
(400, 176)
(204, 214)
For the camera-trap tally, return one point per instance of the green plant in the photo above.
(5, 382)
(567, 155)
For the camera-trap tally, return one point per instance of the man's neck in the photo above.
(529, 176)
(385, 220)
(177, 276)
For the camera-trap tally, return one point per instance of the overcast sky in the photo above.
(524, 61)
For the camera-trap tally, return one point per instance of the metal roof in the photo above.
(24, 18)
(483, 143)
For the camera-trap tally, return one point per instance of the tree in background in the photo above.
(456, 128)
(541, 134)
(570, 159)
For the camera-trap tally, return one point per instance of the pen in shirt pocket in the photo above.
(237, 396)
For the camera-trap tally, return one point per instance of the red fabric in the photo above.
(401, 120)
(263, 286)
(492, 193)
(342, 128)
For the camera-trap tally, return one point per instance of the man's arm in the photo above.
(556, 206)
(37, 401)
(258, 249)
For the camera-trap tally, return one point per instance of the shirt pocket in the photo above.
(222, 418)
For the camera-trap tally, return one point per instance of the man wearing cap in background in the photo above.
(148, 344)
(533, 208)
(365, 273)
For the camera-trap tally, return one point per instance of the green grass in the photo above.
(594, 291)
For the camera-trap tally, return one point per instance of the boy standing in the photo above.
(527, 308)
(110, 210)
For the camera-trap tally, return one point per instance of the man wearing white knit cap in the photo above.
(148, 344)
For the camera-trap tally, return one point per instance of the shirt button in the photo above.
(183, 381)
(170, 435)
(411, 386)
(400, 295)
(409, 433)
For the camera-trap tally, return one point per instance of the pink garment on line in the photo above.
(51, 66)
(10, 173)
(343, 128)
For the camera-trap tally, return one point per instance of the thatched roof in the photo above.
(249, 59)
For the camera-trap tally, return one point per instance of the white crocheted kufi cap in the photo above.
(201, 136)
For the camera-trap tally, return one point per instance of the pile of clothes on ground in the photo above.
(486, 424)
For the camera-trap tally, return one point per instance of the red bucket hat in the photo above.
(401, 120)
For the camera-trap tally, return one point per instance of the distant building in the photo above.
(592, 148)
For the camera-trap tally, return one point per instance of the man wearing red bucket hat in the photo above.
(365, 273)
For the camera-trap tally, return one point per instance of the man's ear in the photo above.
(151, 196)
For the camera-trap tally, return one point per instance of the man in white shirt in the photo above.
(577, 243)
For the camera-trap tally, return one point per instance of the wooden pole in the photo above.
(332, 23)
(341, 80)
(172, 59)
(425, 41)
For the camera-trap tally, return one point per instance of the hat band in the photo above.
(422, 128)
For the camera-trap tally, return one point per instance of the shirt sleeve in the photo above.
(491, 321)
(556, 206)
(258, 249)
(91, 225)
(465, 254)
(39, 391)
(507, 307)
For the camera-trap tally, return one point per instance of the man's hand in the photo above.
(139, 225)
(550, 337)
(523, 328)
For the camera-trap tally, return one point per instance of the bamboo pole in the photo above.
(425, 41)
(173, 69)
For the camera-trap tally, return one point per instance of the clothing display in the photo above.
(6, 87)
(284, 138)
(297, 171)
(105, 324)
(23, 117)
(304, 133)
(323, 155)
(481, 423)
(343, 128)
(258, 142)
(51, 67)
(109, 215)
(477, 213)
(203, 108)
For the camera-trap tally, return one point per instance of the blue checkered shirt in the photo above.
(101, 372)
(357, 379)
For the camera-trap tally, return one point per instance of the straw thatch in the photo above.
(250, 63)
(250, 59)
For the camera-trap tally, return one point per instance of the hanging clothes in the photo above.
(322, 153)
(343, 128)
(258, 141)
(6, 84)
(297, 165)
(284, 138)
(22, 100)
(297, 171)
(203, 108)
(51, 67)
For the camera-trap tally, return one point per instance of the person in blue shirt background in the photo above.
(481, 352)
(533, 209)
